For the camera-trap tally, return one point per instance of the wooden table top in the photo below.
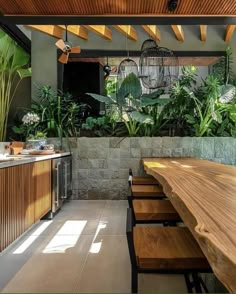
(204, 194)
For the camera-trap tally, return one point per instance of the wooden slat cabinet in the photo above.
(25, 196)
(41, 188)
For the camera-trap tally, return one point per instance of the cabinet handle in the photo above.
(58, 181)
(65, 184)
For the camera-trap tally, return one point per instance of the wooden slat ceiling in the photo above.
(117, 7)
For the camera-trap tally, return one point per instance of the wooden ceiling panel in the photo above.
(153, 32)
(178, 31)
(117, 7)
(78, 31)
(127, 31)
(203, 32)
(101, 30)
(229, 32)
(50, 30)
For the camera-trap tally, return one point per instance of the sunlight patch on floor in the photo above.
(66, 237)
(25, 245)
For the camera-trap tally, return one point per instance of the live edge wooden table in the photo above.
(204, 194)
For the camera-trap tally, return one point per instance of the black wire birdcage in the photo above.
(126, 68)
(159, 67)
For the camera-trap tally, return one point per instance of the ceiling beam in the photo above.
(179, 33)
(127, 31)
(101, 30)
(153, 32)
(229, 32)
(113, 20)
(78, 31)
(50, 30)
(203, 32)
(16, 34)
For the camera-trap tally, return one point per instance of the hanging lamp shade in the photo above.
(159, 67)
(149, 43)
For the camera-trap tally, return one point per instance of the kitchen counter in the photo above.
(13, 160)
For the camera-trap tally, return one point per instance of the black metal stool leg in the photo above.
(134, 279)
(196, 282)
(203, 285)
(188, 283)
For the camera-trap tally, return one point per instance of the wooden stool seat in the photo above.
(144, 181)
(167, 248)
(154, 210)
(146, 191)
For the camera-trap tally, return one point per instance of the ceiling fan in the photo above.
(66, 48)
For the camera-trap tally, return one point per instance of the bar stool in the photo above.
(154, 211)
(136, 180)
(164, 250)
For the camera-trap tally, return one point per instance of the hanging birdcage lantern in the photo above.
(126, 67)
(159, 66)
(127, 74)
(149, 43)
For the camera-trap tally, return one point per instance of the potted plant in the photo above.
(31, 131)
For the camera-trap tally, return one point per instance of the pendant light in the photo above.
(126, 67)
(159, 67)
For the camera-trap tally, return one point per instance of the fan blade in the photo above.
(75, 50)
(60, 44)
(64, 57)
(114, 69)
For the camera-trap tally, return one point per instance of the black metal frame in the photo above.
(16, 34)
(92, 53)
(114, 20)
(196, 283)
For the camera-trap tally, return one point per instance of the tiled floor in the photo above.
(83, 250)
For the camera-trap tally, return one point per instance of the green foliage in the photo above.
(180, 103)
(131, 104)
(189, 110)
(101, 126)
(13, 61)
(60, 114)
(110, 86)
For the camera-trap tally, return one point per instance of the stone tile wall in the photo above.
(100, 165)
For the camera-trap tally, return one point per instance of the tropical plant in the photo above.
(207, 108)
(130, 103)
(13, 61)
(174, 113)
(60, 114)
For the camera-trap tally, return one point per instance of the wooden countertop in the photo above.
(204, 194)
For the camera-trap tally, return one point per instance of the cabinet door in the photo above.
(42, 188)
(2, 206)
(15, 187)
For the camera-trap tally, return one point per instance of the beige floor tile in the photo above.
(113, 225)
(51, 272)
(154, 283)
(107, 269)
